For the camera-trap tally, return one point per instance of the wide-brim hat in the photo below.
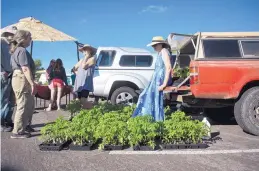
(87, 46)
(158, 40)
(10, 29)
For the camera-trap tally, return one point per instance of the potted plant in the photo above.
(112, 129)
(54, 135)
(167, 111)
(125, 112)
(82, 129)
(179, 131)
(143, 132)
(74, 107)
(180, 74)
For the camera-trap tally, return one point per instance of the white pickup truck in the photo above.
(120, 71)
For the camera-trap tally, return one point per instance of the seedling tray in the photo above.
(142, 148)
(113, 147)
(84, 147)
(52, 147)
(183, 146)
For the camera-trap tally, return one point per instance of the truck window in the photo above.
(144, 61)
(127, 61)
(221, 49)
(250, 48)
(106, 58)
(136, 61)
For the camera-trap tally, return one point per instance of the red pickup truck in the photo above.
(224, 74)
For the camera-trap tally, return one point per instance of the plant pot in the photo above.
(169, 146)
(183, 146)
(84, 147)
(175, 78)
(142, 148)
(53, 147)
(113, 147)
(202, 145)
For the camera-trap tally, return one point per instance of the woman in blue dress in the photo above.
(151, 99)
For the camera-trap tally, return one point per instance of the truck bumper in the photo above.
(184, 96)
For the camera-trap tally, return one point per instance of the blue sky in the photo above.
(128, 23)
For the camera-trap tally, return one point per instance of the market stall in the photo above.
(43, 32)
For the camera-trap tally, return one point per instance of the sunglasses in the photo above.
(154, 45)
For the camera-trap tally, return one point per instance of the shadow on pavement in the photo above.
(9, 168)
(38, 125)
(36, 135)
(40, 108)
(230, 121)
(221, 121)
(41, 125)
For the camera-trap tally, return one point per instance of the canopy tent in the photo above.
(41, 31)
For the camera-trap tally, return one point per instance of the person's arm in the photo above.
(23, 62)
(89, 63)
(64, 76)
(5, 58)
(28, 74)
(47, 74)
(78, 64)
(51, 75)
(168, 68)
(2, 59)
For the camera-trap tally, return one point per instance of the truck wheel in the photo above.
(247, 111)
(220, 115)
(124, 95)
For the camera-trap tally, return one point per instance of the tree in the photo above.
(38, 64)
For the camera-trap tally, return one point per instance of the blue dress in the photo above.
(151, 99)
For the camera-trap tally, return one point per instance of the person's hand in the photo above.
(33, 89)
(6, 75)
(172, 74)
(161, 88)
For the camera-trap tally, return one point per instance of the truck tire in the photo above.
(220, 115)
(245, 111)
(125, 95)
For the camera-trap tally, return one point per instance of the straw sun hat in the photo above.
(87, 46)
(158, 40)
(91, 61)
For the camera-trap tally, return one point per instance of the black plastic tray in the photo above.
(142, 148)
(84, 147)
(113, 147)
(183, 146)
(53, 147)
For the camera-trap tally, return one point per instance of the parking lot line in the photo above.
(185, 152)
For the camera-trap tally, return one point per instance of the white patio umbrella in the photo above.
(41, 31)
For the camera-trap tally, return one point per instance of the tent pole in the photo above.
(31, 47)
(77, 51)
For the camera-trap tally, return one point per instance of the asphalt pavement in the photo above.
(237, 151)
